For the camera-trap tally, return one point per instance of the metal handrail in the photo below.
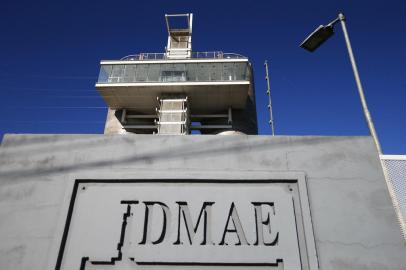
(194, 55)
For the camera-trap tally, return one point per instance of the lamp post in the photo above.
(311, 43)
(318, 37)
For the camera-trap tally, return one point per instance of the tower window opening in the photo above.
(173, 76)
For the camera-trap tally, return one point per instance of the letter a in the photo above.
(233, 215)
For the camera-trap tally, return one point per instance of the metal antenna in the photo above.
(268, 91)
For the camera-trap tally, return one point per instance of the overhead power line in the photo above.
(29, 89)
(54, 107)
(52, 122)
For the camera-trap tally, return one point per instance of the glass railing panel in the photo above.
(168, 72)
(240, 71)
(216, 72)
(154, 73)
(105, 71)
(203, 72)
(117, 74)
(142, 73)
(129, 73)
(191, 72)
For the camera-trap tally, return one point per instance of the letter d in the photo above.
(149, 206)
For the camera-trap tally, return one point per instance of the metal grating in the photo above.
(395, 172)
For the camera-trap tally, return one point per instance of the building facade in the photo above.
(128, 199)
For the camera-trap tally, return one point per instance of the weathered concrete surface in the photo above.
(113, 126)
(353, 219)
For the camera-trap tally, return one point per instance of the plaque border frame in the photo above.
(241, 177)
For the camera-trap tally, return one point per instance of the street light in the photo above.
(318, 37)
(311, 43)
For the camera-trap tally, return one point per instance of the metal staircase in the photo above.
(173, 116)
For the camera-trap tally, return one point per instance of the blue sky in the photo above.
(50, 53)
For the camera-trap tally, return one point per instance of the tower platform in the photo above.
(211, 85)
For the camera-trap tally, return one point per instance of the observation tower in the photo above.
(179, 91)
(123, 202)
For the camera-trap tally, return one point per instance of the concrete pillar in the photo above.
(113, 125)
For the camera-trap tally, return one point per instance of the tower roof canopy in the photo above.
(179, 23)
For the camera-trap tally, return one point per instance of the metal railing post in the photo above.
(268, 91)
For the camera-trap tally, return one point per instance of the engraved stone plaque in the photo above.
(197, 223)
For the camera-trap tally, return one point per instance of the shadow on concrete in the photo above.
(189, 149)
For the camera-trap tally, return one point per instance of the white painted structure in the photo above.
(218, 87)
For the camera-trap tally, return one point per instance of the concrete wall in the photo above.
(353, 219)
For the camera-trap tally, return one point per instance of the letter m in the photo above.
(190, 229)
